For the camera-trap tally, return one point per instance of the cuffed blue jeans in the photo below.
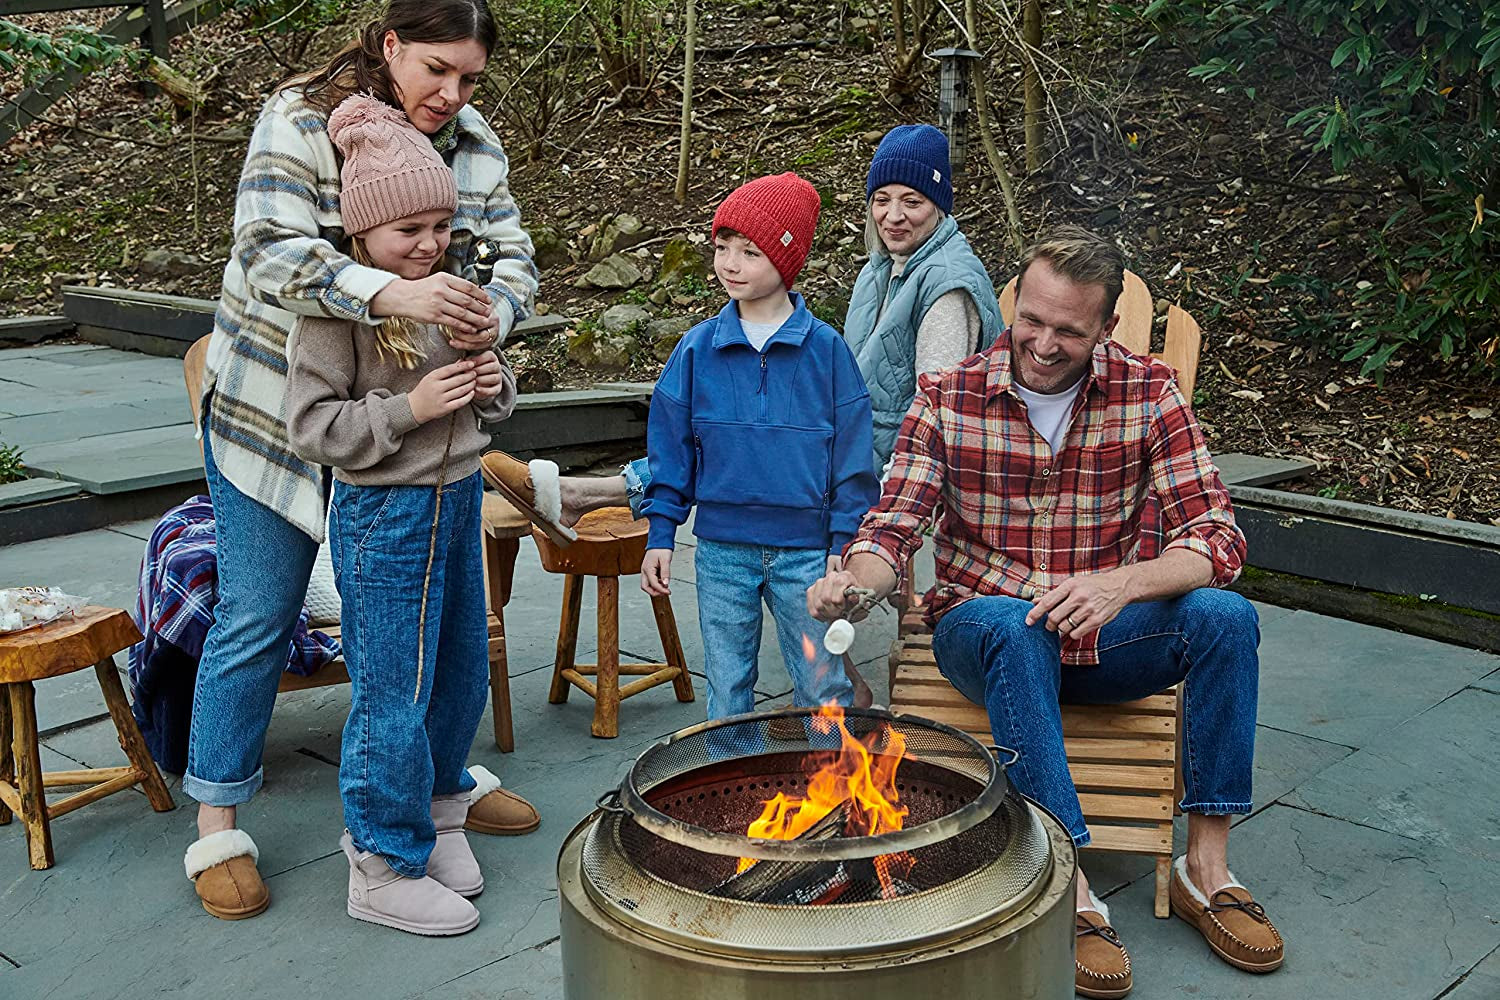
(732, 581)
(1207, 638)
(637, 477)
(263, 564)
(410, 726)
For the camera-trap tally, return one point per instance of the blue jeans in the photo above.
(732, 580)
(1207, 637)
(263, 565)
(637, 477)
(409, 729)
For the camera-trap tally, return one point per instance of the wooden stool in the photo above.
(89, 638)
(610, 544)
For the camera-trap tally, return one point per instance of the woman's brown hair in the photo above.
(360, 67)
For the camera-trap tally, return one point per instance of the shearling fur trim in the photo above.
(486, 782)
(217, 848)
(1097, 904)
(1181, 867)
(547, 489)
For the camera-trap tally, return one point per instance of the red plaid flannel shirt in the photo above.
(1017, 519)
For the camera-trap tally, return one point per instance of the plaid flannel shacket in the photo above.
(285, 262)
(1018, 519)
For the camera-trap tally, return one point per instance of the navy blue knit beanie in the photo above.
(917, 156)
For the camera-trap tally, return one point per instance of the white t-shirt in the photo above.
(1051, 413)
(759, 333)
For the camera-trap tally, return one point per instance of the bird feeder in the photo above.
(953, 101)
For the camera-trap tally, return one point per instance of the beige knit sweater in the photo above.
(347, 407)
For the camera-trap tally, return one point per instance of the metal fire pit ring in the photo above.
(965, 755)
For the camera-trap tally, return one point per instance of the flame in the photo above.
(862, 781)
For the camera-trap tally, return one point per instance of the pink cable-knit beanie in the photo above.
(390, 169)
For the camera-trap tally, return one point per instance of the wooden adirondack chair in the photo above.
(503, 529)
(1123, 758)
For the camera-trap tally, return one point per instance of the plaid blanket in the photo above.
(179, 587)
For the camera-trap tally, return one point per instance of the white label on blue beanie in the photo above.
(937, 178)
(786, 238)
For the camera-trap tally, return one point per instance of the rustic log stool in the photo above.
(89, 638)
(610, 544)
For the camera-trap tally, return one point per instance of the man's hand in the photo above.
(656, 572)
(1083, 604)
(487, 377)
(827, 600)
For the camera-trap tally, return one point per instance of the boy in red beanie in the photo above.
(762, 420)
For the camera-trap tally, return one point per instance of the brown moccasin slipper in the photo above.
(1101, 963)
(1231, 921)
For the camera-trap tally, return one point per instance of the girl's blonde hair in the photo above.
(397, 335)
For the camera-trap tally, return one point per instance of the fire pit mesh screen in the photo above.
(972, 847)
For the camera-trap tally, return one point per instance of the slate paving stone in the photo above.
(1482, 983)
(532, 974)
(1489, 682)
(82, 422)
(1432, 779)
(137, 529)
(98, 565)
(49, 351)
(1348, 683)
(48, 373)
(1364, 916)
(133, 460)
(32, 490)
(23, 400)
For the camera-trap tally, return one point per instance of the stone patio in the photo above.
(1375, 844)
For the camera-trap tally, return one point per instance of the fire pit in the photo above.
(838, 853)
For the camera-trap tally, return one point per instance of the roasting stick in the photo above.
(840, 634)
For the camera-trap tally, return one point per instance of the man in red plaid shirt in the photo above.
(1039, 456)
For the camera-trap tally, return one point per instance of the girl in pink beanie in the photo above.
(399, 413)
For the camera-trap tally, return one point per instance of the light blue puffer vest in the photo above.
(886, 351)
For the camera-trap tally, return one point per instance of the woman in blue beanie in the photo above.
(923, 301)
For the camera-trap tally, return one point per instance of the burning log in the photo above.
(790, 881)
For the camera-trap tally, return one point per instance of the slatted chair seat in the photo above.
(1123, 758)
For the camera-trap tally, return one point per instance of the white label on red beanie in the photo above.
(786, 238)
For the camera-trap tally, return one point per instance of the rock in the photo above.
(169, 263)
(1153, 235)
(624, 318)
(600, 351)
(534, 380)
(679, 260)
(551, 250)
(659, 296)
(770, 22)
(1219, 140)
(873, 137)
(612, 272)
(662, 348)
(798, 31)
(821, 264)
(1107, 216)
(1333, 227)
(619, 233)
(669, 326)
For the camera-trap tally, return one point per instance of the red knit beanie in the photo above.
(779, 215)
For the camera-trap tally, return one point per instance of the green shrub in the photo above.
(1414, 89)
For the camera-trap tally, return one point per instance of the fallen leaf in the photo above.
(1250, 394)
(1331, 388)
(1475, 412)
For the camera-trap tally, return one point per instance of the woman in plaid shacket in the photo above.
(424, 57)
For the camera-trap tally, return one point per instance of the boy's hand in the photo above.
(442, 391)
(656, 572)
(487, 379)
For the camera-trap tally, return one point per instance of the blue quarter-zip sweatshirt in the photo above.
(773, 446)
